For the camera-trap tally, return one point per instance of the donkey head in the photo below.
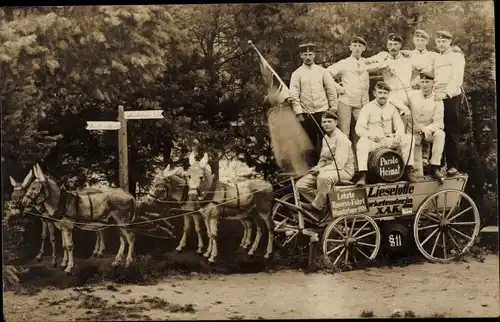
(161, 188)
(197, 176)
(18, 192)
(37, 191)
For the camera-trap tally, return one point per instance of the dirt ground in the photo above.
(468, 289)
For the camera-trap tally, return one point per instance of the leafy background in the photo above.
(63, 66)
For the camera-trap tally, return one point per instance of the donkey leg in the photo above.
(39, 257)
(130, 236)
(187, 227)
(258, 235)
(196, 219)
(248, 241)
(64, 262)
(266, 216)
(245, 232)
(97, 243)
(69, 247)
(52, 238)
(102, 244)
(213, 234)
(121, 249)
(210, 241)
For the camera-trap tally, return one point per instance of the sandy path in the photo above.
(456, 290)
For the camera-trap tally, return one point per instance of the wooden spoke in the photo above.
(352, 227)
(460, 233)
(363, 253)
(339, 232)
(366, 244)
(291, 238)
(431, 218)
(429, 237)
(366, 235)
(359, 230)
(463, 223)
(347, 256)
(334, 240)
(338, 257)
(426, 227)
(453, 240)
(444, 246)
(444, 205)
(460, 213)
(334, 249)
(435, 244)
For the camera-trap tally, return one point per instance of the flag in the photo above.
(272, 80)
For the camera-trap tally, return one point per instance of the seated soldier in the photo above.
(336, 152)
(428, 122)
(380, 126)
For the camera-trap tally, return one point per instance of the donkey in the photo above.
(169, 187)
(94, 209)
(216, 198)
(18, 192)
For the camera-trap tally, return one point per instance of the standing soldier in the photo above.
(448, 79)
(313, 91)
(422, 60)
(356, 83)
(396, 69)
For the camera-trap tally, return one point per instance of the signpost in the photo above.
(121, 126)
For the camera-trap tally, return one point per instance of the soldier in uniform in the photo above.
(422, 60)
(356, 83)
(427, 122)
(396, 68)
(380, 125)
(336, 163)
(313, 91)
(448, 79)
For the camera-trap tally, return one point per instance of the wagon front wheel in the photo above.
(446, 225)
(351, 240)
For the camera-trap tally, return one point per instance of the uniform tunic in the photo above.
(386, 123)
(421, 61)
(341, 152)
(428, 116)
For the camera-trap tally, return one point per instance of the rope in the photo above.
(160, 219)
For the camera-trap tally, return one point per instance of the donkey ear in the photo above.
(204, 160)
(41, 176)
(13, 182)
(192, 159)
(28, 179)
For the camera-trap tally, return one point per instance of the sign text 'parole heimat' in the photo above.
(147, 114)
(102, 125)
(349, 201)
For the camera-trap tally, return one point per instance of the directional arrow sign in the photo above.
(148, 114)
(102, 125)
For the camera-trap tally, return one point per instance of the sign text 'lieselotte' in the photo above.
(348, 201)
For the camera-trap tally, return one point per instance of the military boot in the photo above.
(435, 173)
(362, 179)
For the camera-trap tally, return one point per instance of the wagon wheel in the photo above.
(351, 240)
(446, 225)
(287, 222)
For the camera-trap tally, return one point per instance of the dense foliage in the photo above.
(63, 66)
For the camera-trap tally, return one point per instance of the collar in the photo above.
(381, 106)
(428, 96)
(354, 58)
(334, 133)
(399, 55)
(423, 51)
(311, 66)
(446, 51)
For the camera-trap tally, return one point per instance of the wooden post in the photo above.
(123, 149)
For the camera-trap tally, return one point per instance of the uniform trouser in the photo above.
(348, 116)
(400, 95)
(315, 133)
(438, 142)
(365, 146)
(321, 184)
(451, 129)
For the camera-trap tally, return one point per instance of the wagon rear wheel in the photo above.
(446, 225)
(351, 241)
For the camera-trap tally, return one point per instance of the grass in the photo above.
(408, 314)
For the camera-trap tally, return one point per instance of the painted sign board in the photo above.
(102, 125)
(147, 114)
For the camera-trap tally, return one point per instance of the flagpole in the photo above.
(265, 61)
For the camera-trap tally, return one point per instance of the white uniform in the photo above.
(421, 62)
(386, 123)
(428, 116)
(341, 151)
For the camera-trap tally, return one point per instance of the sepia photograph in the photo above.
(249, 161)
